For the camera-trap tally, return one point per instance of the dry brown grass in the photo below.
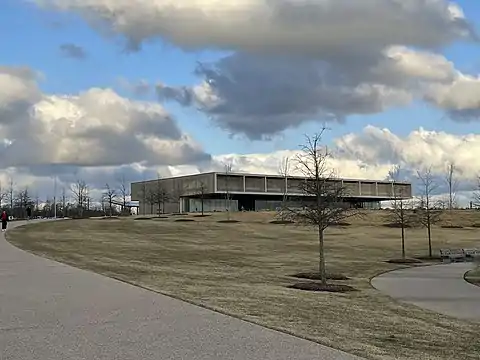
(244, 269)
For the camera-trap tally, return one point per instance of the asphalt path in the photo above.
(51, 311)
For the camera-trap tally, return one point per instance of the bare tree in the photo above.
(23, 200)
(400, 215)
(201, 189)
(160, 196)
(145, 196)
(228, 198)
(123, 192)
(452, 183)
(323, 195)
(284, 171)
(11, 193)
(80, 194)
(428, 213)
(109, 195)
(476, 194)
(64, 199)
(3, 194)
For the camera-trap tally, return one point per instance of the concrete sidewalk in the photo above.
(50, 311)
(440, 288)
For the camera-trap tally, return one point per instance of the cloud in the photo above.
(277, 26)
(96, 127)
(73, 51)
(262, 95)
(140, 88)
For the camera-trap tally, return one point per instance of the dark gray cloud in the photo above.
(73, 51)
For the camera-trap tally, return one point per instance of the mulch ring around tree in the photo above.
(184, 220)
(317, 276)
(452, 227)
(404, 261)
(315, 286)
(228, 221)
(143, 218)
(435, 258)
(397, 225)
(201, 216)
(281, 222)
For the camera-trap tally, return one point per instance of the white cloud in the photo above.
(94, 128)
(279, 26)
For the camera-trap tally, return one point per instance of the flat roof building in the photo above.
(251, 192)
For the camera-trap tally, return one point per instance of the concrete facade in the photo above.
(251, 190)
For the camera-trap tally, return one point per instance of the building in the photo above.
(251, 192)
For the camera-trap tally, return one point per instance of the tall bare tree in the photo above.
(3, 194)
(80, 194)
(109, 195)
(11, 193)
(323, 195)
(400, 215)
(284, 171)
(23, 200)
(145, 196)
(452, 183)
(428, 213)
(201, 189)
(160, 196)
(228, 197)
(476, 194)
(123, 192)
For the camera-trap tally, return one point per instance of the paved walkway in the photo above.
(50, 311)
(440, 288)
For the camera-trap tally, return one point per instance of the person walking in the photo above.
(4, 218)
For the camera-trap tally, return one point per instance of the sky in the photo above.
(99, 90)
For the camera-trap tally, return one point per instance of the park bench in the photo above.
(472, 254)
(452, 255)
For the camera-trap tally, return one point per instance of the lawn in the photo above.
(243, 269)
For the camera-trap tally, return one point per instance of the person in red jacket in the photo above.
(4, 219)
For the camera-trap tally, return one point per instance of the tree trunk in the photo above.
(429, 230)
(202, 205)
(403, 241)
(323, 272)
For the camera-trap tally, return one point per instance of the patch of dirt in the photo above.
(143, 218)
(184, 220)
(452, 227)
(228, 221)
(341, 224)
(397, 225)
(404, 261)
(281, 222)
(429, 258)
(316, 276)
(313, 286)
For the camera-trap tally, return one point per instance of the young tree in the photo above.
(124, 192)
(400, 215)
(160, 196)
(228, 202)
(427, 214)
(452, 183)
(64, 200)
(109, 197)
(284, 171)
(323, 195)
(201, 189)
